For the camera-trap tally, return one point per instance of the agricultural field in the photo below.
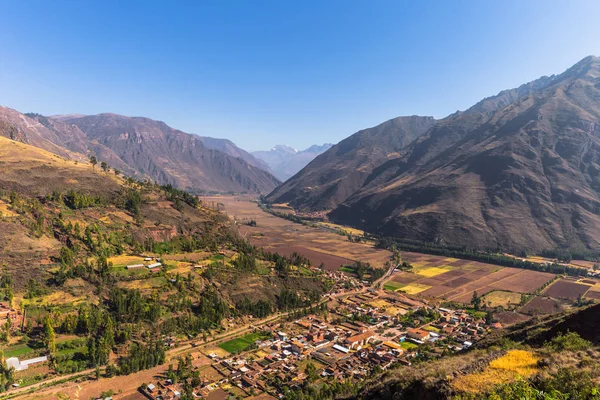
(276, 234)
(542, 306)
(502, 299)
(456, 280)
(566, 289)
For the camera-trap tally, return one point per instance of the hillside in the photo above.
(43, 193)
(143, 148)
(517, 171)
(343, 169)
(286, 161)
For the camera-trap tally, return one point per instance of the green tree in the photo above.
(49, 335)
(476, 301)
(93, 161)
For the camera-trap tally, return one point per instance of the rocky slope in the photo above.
(286, 161)
(519, 170)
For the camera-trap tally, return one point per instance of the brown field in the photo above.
(541, 306)
(593, 294)
(277, 234)
(331, 262)
(565, 289)
(508, 318)
(456, 280)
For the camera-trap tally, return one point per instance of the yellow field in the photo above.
(123, 260)
(433, 271)
(393, 311)
(504, 299)
(414, 288)
(515, 363)
(56, 298)
(379, 303)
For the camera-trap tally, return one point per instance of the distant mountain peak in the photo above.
(285, 161)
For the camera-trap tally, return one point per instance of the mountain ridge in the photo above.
(142, 147)
(519, 170)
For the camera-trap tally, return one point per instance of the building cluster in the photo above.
(361, 335)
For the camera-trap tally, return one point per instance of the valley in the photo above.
(318, 243)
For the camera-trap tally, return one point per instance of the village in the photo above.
(361, 332)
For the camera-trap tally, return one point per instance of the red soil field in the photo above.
(404, 277)
(523, 281)
(436, 291)
(563, 289)
(541, 306)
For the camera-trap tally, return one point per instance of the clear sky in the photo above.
(281, 72)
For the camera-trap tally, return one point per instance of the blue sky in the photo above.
(281, 72)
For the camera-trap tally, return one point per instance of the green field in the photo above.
(241, 343)
(408, 345)
(393, 286)
(19, 351)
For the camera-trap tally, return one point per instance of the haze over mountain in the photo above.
(343, 169)
(517, 170)
(285, 161)
(143, 147)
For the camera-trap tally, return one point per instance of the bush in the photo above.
(569, 341)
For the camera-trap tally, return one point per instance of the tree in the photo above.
(93, 161)
(117, 172)
(49, 335)
(311, 372)
(104, 166)
(476, 301)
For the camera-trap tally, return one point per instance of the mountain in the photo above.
(343, 169)
(286, 161)
(520, 170)
(141, 147)
(228, 147)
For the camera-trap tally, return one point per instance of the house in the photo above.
(153, 266)
(357, 341)
(7, 313)
(343, 349)
(418, 334)
(133, 266)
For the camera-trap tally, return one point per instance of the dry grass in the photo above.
(502, 299)
(505, 369)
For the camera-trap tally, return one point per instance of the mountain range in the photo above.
(285, 161)
(143, 148)
(519, 170)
